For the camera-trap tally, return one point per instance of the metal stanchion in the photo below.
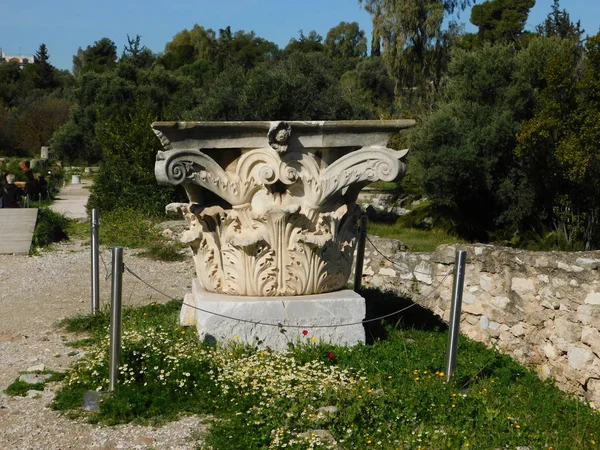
(115, 316)
(457, 294)
(360, 252)
(95, 264)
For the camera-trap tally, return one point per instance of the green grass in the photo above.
(131, 229)
(384, 185)
(20, 388)
(389, 394)
(96, 325)
(417, 240)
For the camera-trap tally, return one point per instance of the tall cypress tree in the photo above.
(43, 77)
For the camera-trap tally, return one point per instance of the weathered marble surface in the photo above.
(306, 319)
(272, 208)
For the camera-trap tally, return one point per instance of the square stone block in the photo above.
(274, 322)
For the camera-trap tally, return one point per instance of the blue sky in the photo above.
(66, 25)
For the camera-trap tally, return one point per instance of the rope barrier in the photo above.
(279, 325)
(398, 265)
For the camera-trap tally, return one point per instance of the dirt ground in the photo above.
(35, 293)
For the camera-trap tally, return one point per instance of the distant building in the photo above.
(22, 60)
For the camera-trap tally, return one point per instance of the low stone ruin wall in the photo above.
(541, 308)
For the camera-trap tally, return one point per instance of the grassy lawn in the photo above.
(389, 394)
(417, 240)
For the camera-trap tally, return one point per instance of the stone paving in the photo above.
(72, 199)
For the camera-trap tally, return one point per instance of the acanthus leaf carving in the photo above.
(289, 226)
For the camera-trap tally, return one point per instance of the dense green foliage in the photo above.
(50, 228)
(391, 394)
(505, 146)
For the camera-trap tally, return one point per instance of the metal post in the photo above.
(457, 294)
(40, 199)
(115, 316)
(360, 252)
(95, 263)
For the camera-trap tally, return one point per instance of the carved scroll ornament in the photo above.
(288, 222)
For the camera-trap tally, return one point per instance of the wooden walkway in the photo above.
(16, 229)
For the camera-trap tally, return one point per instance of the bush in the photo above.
(50, 228)
(126, 179)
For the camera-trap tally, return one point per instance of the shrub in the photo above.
(50, 228)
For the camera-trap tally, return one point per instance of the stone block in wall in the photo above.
(423, 273)
(470, 319)
(536, 319)
(550, 304)
(579, 357)
(566, 329)
(593, 388)
(560, 343)
(591, 336)
(518, 330)
(558, 282)
(588, 263)
(445, 254)
(542, 262)
(471, 304)
(593, 298)
(387, 271)
(524, 287)
(568, 267)
(492, 284)
(550, 351)
(589, 315)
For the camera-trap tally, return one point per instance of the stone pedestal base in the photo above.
(312, 312)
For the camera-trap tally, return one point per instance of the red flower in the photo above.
(304, 332)
(330, 355)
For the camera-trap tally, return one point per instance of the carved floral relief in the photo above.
(283, 222)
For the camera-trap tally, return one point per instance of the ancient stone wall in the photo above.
(541, 308)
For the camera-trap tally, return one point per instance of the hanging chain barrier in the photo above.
(279, 325)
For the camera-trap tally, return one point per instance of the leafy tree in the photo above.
(37, 121)
(188, 46)
(137, 54)
(99, 57)
(301, 86)
(465, 148)
(413, 38)
(501, 20)
(370, 83)
(305, 44)
(558, 23)
(8, 144)
(346, 40)
(243, 49)
(126, 178)
(10, 84)
(131, 86)
(562, 140)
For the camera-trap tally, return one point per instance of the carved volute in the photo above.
(280, 214)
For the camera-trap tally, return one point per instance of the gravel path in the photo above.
(35, 293)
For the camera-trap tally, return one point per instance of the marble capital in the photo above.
(272, 205)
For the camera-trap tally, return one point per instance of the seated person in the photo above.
(11, 194)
